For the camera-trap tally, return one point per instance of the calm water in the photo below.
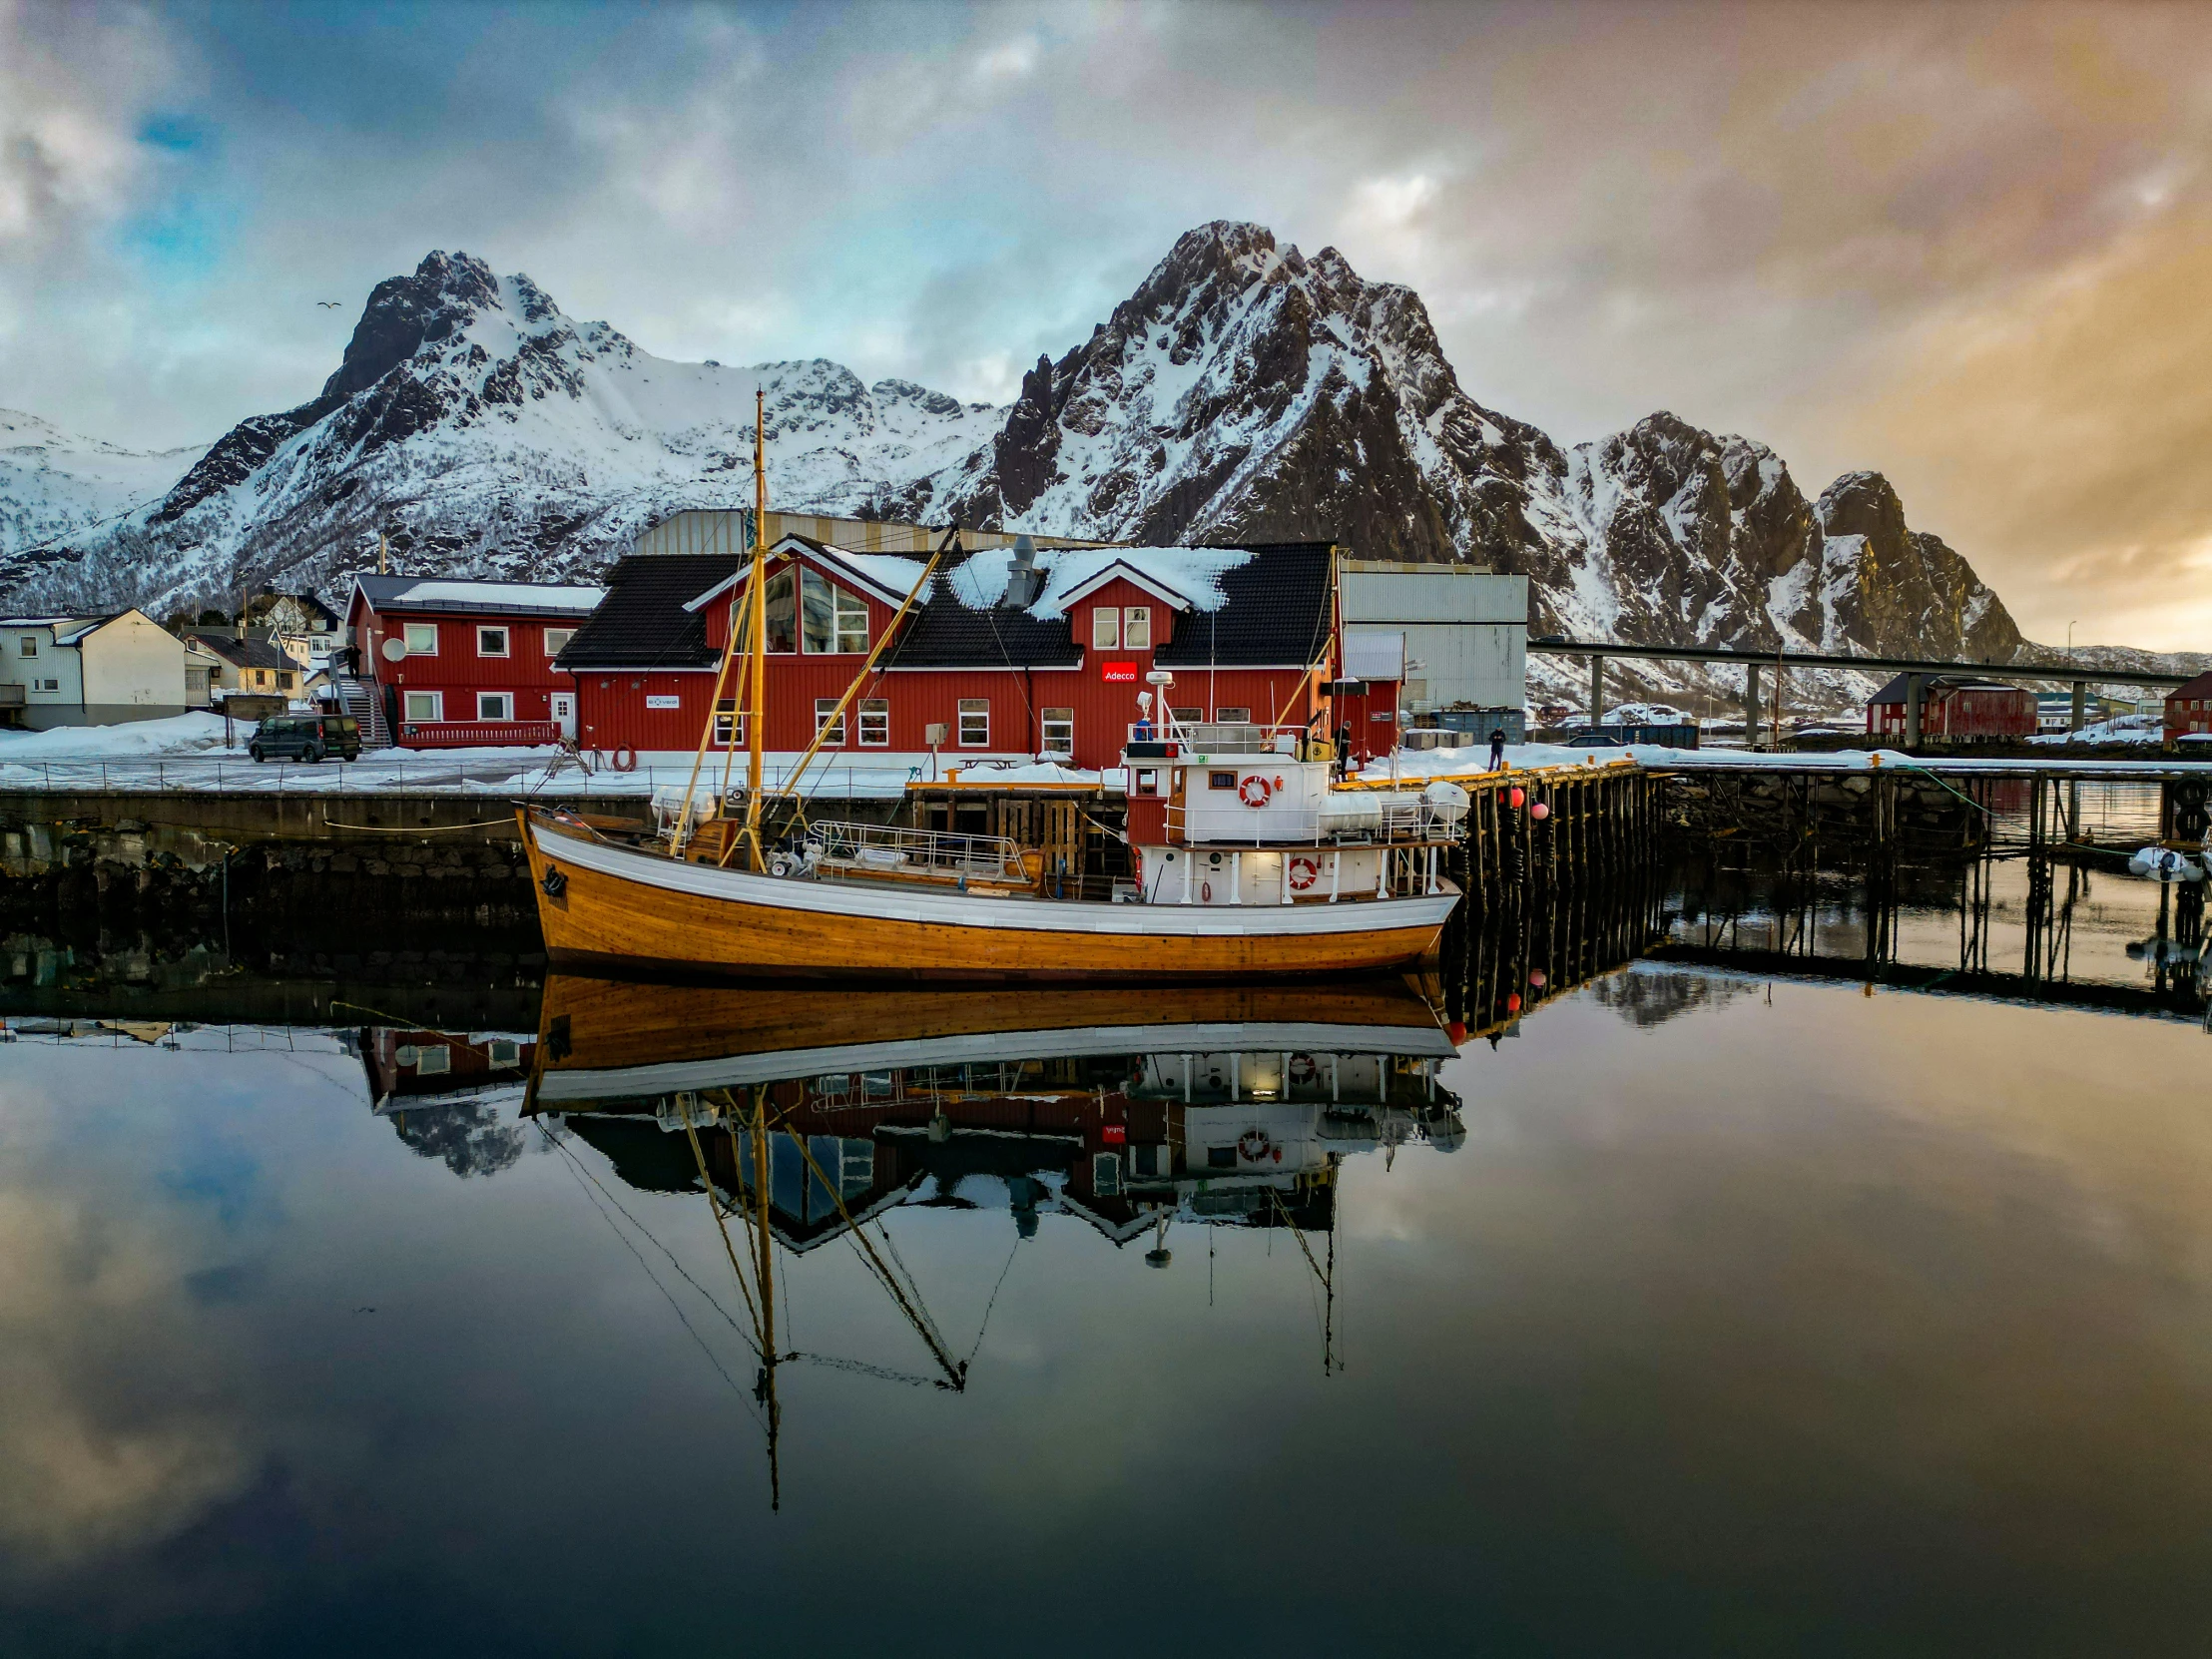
(1716, 1305)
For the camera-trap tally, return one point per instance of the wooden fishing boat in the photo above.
(1249, 861)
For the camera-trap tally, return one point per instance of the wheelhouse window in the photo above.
(1106, 628)
(1187, 717)
(556, 640)
(1059, 730)
(1136, 628)
(416, 705)
(422, 638)
(834, 621)
(491, 642)
(876, 723)
(975, 723)
(1221, 780)
(495, 705)
(1233, 717)
(729, 724)
(828, 722)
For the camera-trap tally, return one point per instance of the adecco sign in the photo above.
(1119, 674)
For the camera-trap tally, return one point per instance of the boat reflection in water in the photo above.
(804, 1119)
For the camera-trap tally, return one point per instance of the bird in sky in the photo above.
(329, 304)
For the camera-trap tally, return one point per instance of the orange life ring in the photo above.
(1254, 790)
(1303, 1068)
(626, 759)
(1305, 872)
(1253, 1146)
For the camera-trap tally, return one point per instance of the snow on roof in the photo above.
(33, 621)
(442, 593)
(890, 572)
(1189, 575)
(890, 577)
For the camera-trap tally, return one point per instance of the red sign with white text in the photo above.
(1120, 672)
(1114, 1134)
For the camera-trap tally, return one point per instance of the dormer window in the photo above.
(1106, 628)
(1136, 628)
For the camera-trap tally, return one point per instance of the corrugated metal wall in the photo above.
(727, 530)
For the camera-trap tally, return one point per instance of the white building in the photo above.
(89, 670)
(1462, 632)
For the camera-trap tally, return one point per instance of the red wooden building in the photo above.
(2189, 711)
(1011, 654)
(455, 663)
(1954, 710)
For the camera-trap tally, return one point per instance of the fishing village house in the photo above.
(1953, 708)
(441, 662)
(1012, 654)
(2189, 714)
(253, 666)
(303, 628)
(89, 670)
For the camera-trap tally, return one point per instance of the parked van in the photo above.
(306, 738)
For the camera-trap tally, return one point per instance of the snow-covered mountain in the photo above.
(1244, 390)
(58, 487)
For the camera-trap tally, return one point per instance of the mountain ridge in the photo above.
(1244, 390)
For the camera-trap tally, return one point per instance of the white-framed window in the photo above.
(495, 705)
(491, 642)
(1187, 717)
(1136, 628)
(420, 705)
(50, 685)
(556, 638)
(29, 645)
(433, 1060)
(829, 724)
(1106, 1173)
(503, 1052)
(1106, 628)
(876, 723)
(422, 638)
(729, 724)
(1059, 730)
(1233, 717)
(975, 723)
(832, 620)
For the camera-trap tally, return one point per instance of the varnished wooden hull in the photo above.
(618, 906)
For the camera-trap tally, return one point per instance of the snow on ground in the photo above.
(189, 733)
(2143, 728)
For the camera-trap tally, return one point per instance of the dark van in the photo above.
(306, 738)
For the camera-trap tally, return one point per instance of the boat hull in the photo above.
(619, 906)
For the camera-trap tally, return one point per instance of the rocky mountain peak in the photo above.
(405, 314)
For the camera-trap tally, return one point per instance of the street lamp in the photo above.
(2070, 636)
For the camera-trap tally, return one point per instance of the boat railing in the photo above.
(1354, 820)
(890, 849)
(1222, 736)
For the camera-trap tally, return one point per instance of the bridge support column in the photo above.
(2081, 697)
(1597, 691)
(1912, 712)
(1751, 705)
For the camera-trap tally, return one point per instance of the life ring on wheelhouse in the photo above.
(1254, 790)
(1304, 872)
(1253, 1146)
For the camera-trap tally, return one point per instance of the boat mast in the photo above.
(757, 634)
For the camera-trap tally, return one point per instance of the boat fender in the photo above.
(1304, 872)
(1205, 892)
(554, 882)
(626, 759)
(1254, 791)
(1253, 1146)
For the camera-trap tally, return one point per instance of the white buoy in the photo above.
(2163, 863)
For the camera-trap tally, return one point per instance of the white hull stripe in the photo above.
(889, 902)
(1064, 1042)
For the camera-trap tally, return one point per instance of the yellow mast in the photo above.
(757, 634)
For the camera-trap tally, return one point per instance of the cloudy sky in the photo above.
(1969, 245)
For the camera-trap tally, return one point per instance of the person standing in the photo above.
(1498, 748)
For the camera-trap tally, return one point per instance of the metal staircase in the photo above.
(358, 698)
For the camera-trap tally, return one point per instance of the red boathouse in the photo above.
(1953, 708)
(453, 663)
(1013, 653)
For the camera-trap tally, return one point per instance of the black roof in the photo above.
(252, 652)
(1276, 615)
(1930, 683)
(642, 622)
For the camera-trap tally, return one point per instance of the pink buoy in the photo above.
(1539, 810)
(1514, 796)
(1536, 978)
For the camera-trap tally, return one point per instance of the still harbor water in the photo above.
(1777, 1266)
